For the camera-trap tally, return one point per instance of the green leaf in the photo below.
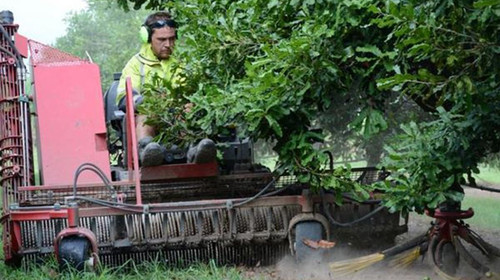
(272, 4)
(274, 125)
(390, 82)
(485, 3)
(370, 49)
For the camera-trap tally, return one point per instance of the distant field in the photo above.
(489, 174)
(486, 214)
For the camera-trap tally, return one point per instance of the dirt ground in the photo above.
(317, 267)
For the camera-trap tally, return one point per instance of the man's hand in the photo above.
(138, 100)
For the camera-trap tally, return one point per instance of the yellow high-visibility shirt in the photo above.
(141, 69)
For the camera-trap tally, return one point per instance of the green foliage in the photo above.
(106, 34)
(137, 4)
(274, 67)
(447, 64)
(432, 156)
(169, 114)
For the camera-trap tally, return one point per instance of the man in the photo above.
(158, 35)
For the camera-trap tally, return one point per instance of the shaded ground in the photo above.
(318, 266)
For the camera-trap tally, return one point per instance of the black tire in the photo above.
(306, 230)
(447, 257)
(16, 260)
(74, 251)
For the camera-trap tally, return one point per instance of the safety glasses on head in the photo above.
(163, 23)
(147, 30)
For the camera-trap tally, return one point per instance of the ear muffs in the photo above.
(144, 34)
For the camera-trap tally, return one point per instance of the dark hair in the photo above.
(152, 18)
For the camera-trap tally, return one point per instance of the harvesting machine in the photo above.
(62, 195)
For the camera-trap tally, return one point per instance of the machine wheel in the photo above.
(447, 257)
(306, 230)
(74, 251)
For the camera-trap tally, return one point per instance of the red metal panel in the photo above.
(132, 142)
(38, 215)
(21, 44)
(70, 121)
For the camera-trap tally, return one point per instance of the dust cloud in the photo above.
(317, 267)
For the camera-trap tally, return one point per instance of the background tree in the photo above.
(344, 125)
(106, 34)
(273, 67)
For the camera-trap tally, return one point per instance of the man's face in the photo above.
(162, 42)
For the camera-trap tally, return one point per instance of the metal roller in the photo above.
(239, 236)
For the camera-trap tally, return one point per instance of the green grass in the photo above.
(147, 271)
(489, 174)
(486, 214)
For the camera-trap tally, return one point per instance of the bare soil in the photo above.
(317, 267)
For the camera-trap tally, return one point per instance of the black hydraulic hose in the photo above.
(481, 244)
(8, 52)
(278, 191)
(130, 207)
(468, 257)
(432, 249)
(369, 201)
(482, 188)
(257, 195)
(348, 224)
(417, 241)
(94, 168)
(116, 205)
(133, 207)
(8, 39)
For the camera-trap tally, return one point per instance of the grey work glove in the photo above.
(138, 98)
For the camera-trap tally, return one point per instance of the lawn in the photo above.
(489, 174)
(147, 271)
(485, 205)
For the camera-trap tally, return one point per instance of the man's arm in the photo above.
(132, 70)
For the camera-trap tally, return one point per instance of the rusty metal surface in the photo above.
(222, 187)
(228, 186)
(15, 166)
(41, 54)
(16, 161)
(170, 230)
